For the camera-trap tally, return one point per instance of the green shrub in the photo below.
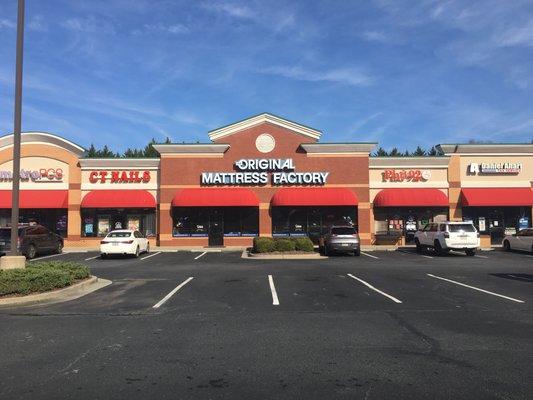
(263, 245)
(282, 245)
(41, 277)
(304, 244)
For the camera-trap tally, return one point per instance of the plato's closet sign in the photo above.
(259, 171)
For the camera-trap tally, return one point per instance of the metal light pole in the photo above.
(16, 131)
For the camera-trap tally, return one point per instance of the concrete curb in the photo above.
(57, 296)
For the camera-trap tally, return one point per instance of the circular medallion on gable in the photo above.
(265, 143)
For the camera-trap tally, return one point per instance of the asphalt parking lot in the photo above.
(215, 325)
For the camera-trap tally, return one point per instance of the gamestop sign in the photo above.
(260, 171)
(119, 176)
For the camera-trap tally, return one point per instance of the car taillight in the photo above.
(104, 242)
(129, 242)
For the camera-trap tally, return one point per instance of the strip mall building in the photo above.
(266, 176)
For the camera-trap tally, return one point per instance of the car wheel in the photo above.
(137, 251)
(148, 247)
(31, 252)
(438, 248)
(59, 248)
(326, 252)
(357, 253)
(470, 252)
(103, 256)
(418, 246)
(506, 245)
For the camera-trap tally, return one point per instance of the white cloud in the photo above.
(347, 76)
(88, 25)
(175, 29)
(5, 23)
(517, 36)
(231, 9)
(36, 24)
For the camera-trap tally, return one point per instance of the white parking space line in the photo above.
(368, 255)
(50, 256)
(173, 292)
(92, 258)
(201, 255)
(478, 256)
(151, 255)
(275, 300)
(476, 288)
(375, 289)
(414, 254)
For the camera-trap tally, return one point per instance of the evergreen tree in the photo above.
(406, 154)
(149, 151)
(106, 153)
(394, 152)
(380, 152)
(92, 152)
(433, 152)
(419, 152)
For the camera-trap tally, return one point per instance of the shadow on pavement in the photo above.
(516, 277)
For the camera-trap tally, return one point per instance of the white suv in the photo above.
(446, 236)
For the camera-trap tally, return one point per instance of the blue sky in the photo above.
(402, 73)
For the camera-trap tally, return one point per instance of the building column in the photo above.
(265, 220)
(364, 218)
(164, 223)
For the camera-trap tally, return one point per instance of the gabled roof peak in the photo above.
(262, 118)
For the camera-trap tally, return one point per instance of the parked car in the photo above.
(124, 241)
(446, 236)
(342, 239)
(32, 240)
(522, 240)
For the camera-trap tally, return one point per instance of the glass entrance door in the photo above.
(216, 228)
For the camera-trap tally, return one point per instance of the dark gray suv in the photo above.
(33, 240)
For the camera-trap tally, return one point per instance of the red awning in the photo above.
(314, 197)
(215, 197)
(415, 197)
(496, 197)
(118, 199)
(36, 199)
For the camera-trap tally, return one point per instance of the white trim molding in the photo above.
(196, 148)
(46, 138)
(262, 118)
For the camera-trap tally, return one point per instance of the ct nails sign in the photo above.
(256, 172)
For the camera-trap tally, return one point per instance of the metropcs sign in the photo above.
(256, 172)
(40, 175)
(495, 168)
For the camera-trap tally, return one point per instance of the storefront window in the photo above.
(405, 221)
(498, 222)
(195, 221)
(99, 222)
(310, 221)
(53, 219)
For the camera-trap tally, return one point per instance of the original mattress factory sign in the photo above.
(257, 171)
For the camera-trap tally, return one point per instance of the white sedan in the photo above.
(124, 241)
(523, 240)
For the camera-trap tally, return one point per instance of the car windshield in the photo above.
(461, 228)
(119, 234)
(343, 231)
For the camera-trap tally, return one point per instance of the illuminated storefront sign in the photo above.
(41, 175)
(256, 172)
(495, 168)
(411, 175)
(119, 176)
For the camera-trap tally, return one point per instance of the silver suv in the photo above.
(446, 236)
(342, 239)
